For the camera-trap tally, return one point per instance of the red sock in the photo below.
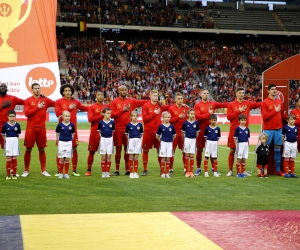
(118, 157)
(14, 164)
(8, 166)
(199, 157)
(191, 164)
(167, 166)
(230, 161)
(171, 162)
(61, 166)
(27, 157)
(67, 166)
(74, 160)
(238, 167)
(126, 159)
(103, 166)
(162, 166)
(186, 163)
(42, 156)
(243, 167)
(90, 159)
(108, 164)
(57, 163)
(215, 165)
(206, 165)
(131, 165)
(292, 165)
(16, 167)
(135, 165)
(286, 165)
(145, 159)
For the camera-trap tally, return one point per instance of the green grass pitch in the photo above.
(42, 195)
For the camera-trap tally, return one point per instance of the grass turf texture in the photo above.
(41, 195)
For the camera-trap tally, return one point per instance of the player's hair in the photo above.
(99, 91)
(34, 84)
(65, 112)
(271, 86)
(134, 112)
(242, 117)
(153, 91)
(264, 136)
(239, 89)
(11, 112)
(291, 116)
(178, 94)
(66, 85)
(165, 113)
(105, 109)
(213, 117)
(203, 90)
(122, 85)
(191, 110)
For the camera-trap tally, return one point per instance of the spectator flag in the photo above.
(82, 26)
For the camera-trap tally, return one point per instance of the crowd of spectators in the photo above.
(133, 12)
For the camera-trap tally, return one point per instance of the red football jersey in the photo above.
(233, 112)
(63, 104)
(95, 115)
(296, 113)
(121, 118)
(271, 118)
(150, 118)
(202, 114)
(36, 117)
(175, 120)
(3, 111)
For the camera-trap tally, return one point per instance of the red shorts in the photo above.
(231, 142)
(150, 141)
(1, 141)
(35, 135)
(200, 141)
(120, 138)
(94, 141)
(178, 141)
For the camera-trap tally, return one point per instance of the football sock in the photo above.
(215, 165)
(131, 165)
(135, 165)
(243, 167)
(74, 160)
(277, 158)
(103, 166)
(199, 157)
(14, 164)
(27, 157)
(67, 166)
(108, 164)
(145, 159)
(57, 163)
(230, 161)
(286, 164)
(292, 165)
(61, 166)
(90, 160)
(171, 162)
(8, 166)
(162, 166)
(118, 157)
(206, 165)
(186, 164)
(191, 164)
(167, 166)
(42, 156)
(238, 168)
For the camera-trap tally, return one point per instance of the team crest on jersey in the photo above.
(32, 103)
(194, 126)
(138, 128)
(246, 132)
(170, 129)
(150, 110)
(64, 105)
(110, 125)
(202, 108)
(270, 107)
(235, 108)
(97, 110)
(176, 113)
(118, 106)
(216, 131)
(70, 127)
(17, 129)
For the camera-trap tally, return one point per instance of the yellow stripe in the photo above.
(110, 231)
(81, 26)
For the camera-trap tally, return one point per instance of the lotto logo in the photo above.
(44, 77)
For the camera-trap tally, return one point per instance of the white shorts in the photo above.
(11, 146)
(211, 149)
(134, 146)
(106, 146)
(289, 150)
(189, 146)
(166, 149)
(64, 149)
(242, 150)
